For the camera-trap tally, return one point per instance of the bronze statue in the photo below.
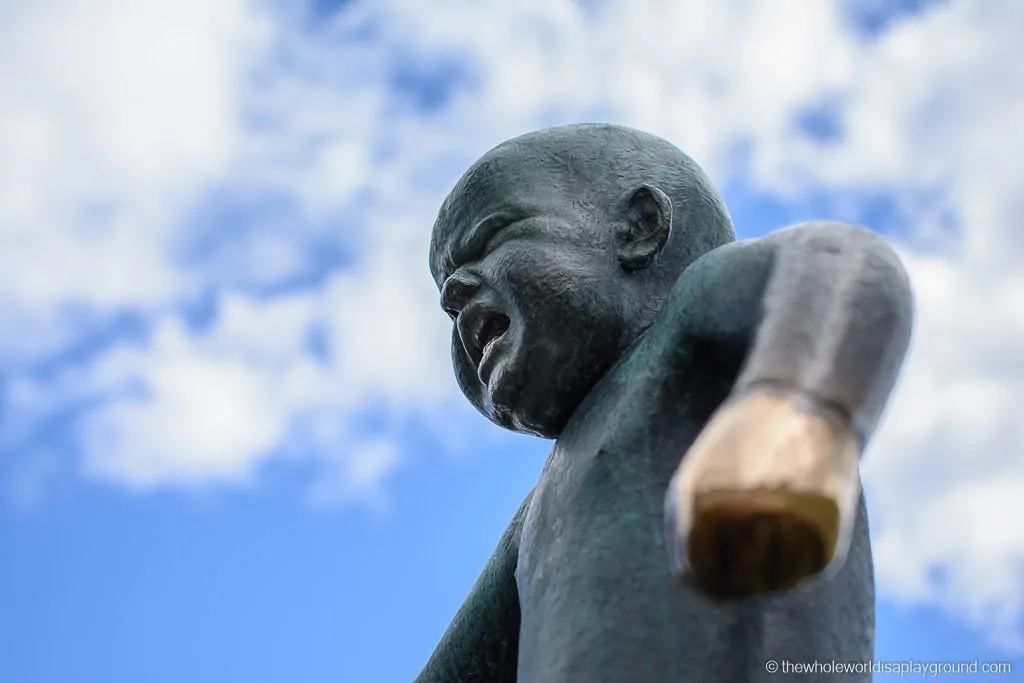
(599, 298)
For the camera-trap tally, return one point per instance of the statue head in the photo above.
(554, 252)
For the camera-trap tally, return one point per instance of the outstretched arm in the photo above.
(822, 312)
(482, 643)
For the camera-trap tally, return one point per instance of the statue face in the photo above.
(530, 278)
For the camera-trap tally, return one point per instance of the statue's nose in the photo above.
(458, 290)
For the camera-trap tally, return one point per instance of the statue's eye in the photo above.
(494, 239)
(489, 233)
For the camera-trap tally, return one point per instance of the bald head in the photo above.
(553, 253)
(592, 166)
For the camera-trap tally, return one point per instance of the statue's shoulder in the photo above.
(514, 532)
(715, 301)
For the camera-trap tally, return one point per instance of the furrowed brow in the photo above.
(474, 242)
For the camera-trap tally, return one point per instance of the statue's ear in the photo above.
(646, 229)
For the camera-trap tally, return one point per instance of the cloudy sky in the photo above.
(231, 448)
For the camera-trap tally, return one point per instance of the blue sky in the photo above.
(231, 448)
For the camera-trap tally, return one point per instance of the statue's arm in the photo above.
(482, 643)
(822, 309)
(820, 315)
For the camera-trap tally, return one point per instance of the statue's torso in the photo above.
(598, 602)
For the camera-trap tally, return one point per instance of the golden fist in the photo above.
(765, 498)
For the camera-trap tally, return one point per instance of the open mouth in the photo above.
(491, 331)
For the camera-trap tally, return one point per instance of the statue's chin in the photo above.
(545, 416)
(516, 401)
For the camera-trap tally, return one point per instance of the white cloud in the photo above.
(946, 472)
(200, 406)
(112, 115)
(192, 417)
(114, 118)
(359, 476)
